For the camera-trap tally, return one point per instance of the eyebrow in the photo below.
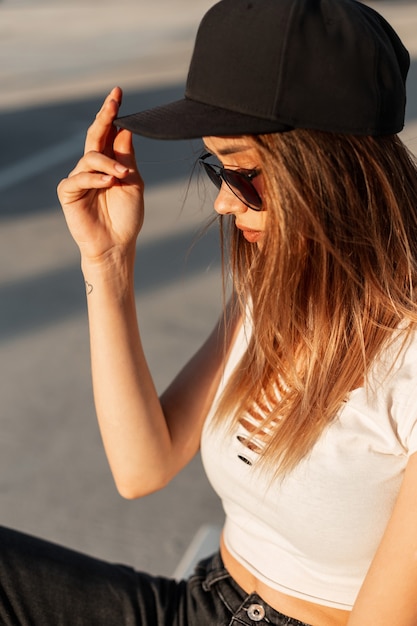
(232, 150)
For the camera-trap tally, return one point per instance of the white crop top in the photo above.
(313, 534)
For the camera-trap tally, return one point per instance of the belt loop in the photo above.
(215, 571)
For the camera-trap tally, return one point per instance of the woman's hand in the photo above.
(102, 198)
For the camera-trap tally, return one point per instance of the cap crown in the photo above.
(267, 66)
(332, 65)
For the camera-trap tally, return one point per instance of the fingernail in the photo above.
(121, 168)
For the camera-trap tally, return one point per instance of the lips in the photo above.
(250, 234)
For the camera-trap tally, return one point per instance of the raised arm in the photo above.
(389, 593)
(147, 441)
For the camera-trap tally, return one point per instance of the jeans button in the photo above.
(256, 612)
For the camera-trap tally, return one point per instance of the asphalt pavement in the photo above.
(57, 61)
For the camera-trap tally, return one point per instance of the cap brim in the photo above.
(188, 119)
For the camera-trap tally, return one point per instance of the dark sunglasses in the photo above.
(238, 181)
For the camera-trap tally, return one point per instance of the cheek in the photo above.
(257, 221)
(262, 220)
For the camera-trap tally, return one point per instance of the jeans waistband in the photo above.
(245, 608)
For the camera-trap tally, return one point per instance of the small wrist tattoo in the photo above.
(89, 287)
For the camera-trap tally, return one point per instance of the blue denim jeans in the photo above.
(42, 584)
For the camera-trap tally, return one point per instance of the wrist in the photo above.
(113, 261)
(115, 269)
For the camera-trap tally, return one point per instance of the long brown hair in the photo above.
(334, 278)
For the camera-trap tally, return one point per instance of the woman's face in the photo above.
(236, 153)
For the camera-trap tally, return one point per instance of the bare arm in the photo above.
(389, 593)
(147, 441)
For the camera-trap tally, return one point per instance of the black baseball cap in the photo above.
(265, 66)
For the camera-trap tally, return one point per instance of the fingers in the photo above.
(93, 171)
(123, 149)
(101, 134)
(96, 162)
(75, 187)
(108, 158)
(72, 189)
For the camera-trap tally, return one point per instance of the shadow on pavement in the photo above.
(55, 296)
(36, 301)
(30, 131)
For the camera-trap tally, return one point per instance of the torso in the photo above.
(308, 612)
(349, 481)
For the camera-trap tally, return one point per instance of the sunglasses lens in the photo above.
(243, 189)
(212, 174)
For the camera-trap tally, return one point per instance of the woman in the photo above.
(303, 398)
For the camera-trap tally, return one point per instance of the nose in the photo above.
(227, 203)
